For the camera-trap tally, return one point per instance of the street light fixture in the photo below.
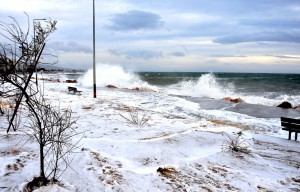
(6, 58)
(11, 51)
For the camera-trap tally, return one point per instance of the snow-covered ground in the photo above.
(181, 148)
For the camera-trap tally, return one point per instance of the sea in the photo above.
(257, 88)
(270, 89)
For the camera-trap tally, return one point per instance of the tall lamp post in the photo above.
(94, 52)
(4, 49)
(33, 22)
(5, 46)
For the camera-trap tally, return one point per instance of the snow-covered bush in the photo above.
(236, 143)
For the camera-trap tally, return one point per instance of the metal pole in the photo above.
(15, 53)
(94, 50)
(33, 25)
(6, 58)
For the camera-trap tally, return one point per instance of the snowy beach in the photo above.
(149, 96)
(183, 146)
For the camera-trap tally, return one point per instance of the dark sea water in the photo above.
(264, 88)
(243, 82)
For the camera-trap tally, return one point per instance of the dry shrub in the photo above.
(136, 118)
(236, 144)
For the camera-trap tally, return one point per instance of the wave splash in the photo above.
(107, 74)
(206, 86)
(209, 86)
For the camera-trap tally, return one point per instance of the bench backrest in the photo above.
(290, 123)
(72, 88)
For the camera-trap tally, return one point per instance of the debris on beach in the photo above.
(87, 107)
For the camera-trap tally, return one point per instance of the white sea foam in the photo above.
(206, 86)
(262, 100)
(107, 74)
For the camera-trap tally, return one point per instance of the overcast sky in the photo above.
(171, 35)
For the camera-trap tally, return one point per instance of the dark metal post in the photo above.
(94, 52)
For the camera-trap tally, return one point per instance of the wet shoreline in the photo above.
(254, 110)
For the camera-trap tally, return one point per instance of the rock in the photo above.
(297, 107)
(136, 89)
(55, 80)
(227, 98)
(167, 171)
(111, 86)
(285, 105)
(140, 89)
(237, 100)
(71, 81)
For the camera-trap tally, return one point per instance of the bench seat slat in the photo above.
(291, 130)
(290, 125)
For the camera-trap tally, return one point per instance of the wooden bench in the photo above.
(291, 125)
(74, 89)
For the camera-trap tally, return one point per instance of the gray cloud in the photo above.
(135, 20)
(70, 46)
(284, 56)
(178, 54)
(228, 23)
(274, 23)
(137, 54)
(293, 37)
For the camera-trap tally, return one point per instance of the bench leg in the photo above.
(290, 135)
(296, 134)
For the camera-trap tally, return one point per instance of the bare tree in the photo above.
(18, 66)
(51, 128)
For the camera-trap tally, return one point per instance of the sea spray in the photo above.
(206, 85)
(252, 88)
(107, 74)
(274, 101)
